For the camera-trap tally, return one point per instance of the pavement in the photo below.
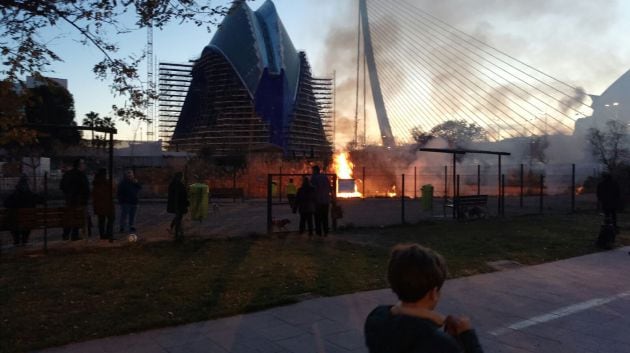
(574, 305)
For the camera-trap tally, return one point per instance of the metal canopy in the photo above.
(456, 152)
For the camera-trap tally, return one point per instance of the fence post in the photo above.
(445, 181)
(503, 195)
(364, 196)
(499, 188)
(445, 196)
(269, 203)
(280, 186)
(46, 212)
(478, 179)
(233, 185)
(572, 188)
(402, 200)
(456, 199)
(522, 186)
(542, 192)
(415, 182)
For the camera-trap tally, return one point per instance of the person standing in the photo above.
(322, 200)
(76, 190)
(103, 203)
(291, 194)
(128, 190)
(21, 197)
(177, 204)
(305, 204)
(608, 195)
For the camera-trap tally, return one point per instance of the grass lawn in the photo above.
(72, 296)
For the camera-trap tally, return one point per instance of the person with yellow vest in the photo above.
(291, 193)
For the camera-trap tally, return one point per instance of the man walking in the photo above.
(608, 196)
(322, 200)
(76, 190)
(128, 190)
(177, 204)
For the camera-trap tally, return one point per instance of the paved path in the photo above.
(570, 306)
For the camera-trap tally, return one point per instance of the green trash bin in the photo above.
(198, 196)
(427, 197)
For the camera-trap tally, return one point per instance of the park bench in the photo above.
(40, 218)
(464, 205)
(233, 193)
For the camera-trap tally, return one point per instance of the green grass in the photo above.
(71, 296)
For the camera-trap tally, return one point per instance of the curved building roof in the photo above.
(253, 41)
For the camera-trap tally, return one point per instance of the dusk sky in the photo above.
(584, 43)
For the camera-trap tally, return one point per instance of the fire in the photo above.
(343, 169)
(392, 192)
(579, 190)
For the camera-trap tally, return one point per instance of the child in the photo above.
(416, 275)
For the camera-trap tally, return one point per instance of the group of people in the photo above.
(76, 190)
(312, 201)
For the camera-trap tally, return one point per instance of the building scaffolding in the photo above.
(174, 80)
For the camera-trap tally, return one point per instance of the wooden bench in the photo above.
(40, 218)
(464, 205)
(233, 193)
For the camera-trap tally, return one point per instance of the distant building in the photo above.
(613, 104)
(251, 90)
(32, 82)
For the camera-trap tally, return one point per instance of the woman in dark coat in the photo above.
(177, 203)
(103, 204)
(22, 197)
(305, 202)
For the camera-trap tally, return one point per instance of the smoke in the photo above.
(560, 37)
(568, 103)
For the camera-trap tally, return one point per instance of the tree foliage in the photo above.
(95, 23)
(52, 104)
(611, 146)
(458, 133)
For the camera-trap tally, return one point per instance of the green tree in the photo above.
(92, 120)
(611, 146)
(95, 23)
(458, 133)
(52, 105)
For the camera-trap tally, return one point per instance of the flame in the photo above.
(343, 169)
(392, 192)
(579, 190)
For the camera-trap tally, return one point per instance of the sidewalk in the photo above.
(570, 306)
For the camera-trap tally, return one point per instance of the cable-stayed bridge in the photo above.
(423, 72)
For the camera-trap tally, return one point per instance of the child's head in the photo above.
(415, 271)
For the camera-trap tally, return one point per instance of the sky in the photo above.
(582, 42)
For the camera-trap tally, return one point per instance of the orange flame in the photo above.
(392, 192)
(343, 169)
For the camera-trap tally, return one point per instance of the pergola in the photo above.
(456, 152)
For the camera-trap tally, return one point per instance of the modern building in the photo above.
(612, 104)
(251, 90)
